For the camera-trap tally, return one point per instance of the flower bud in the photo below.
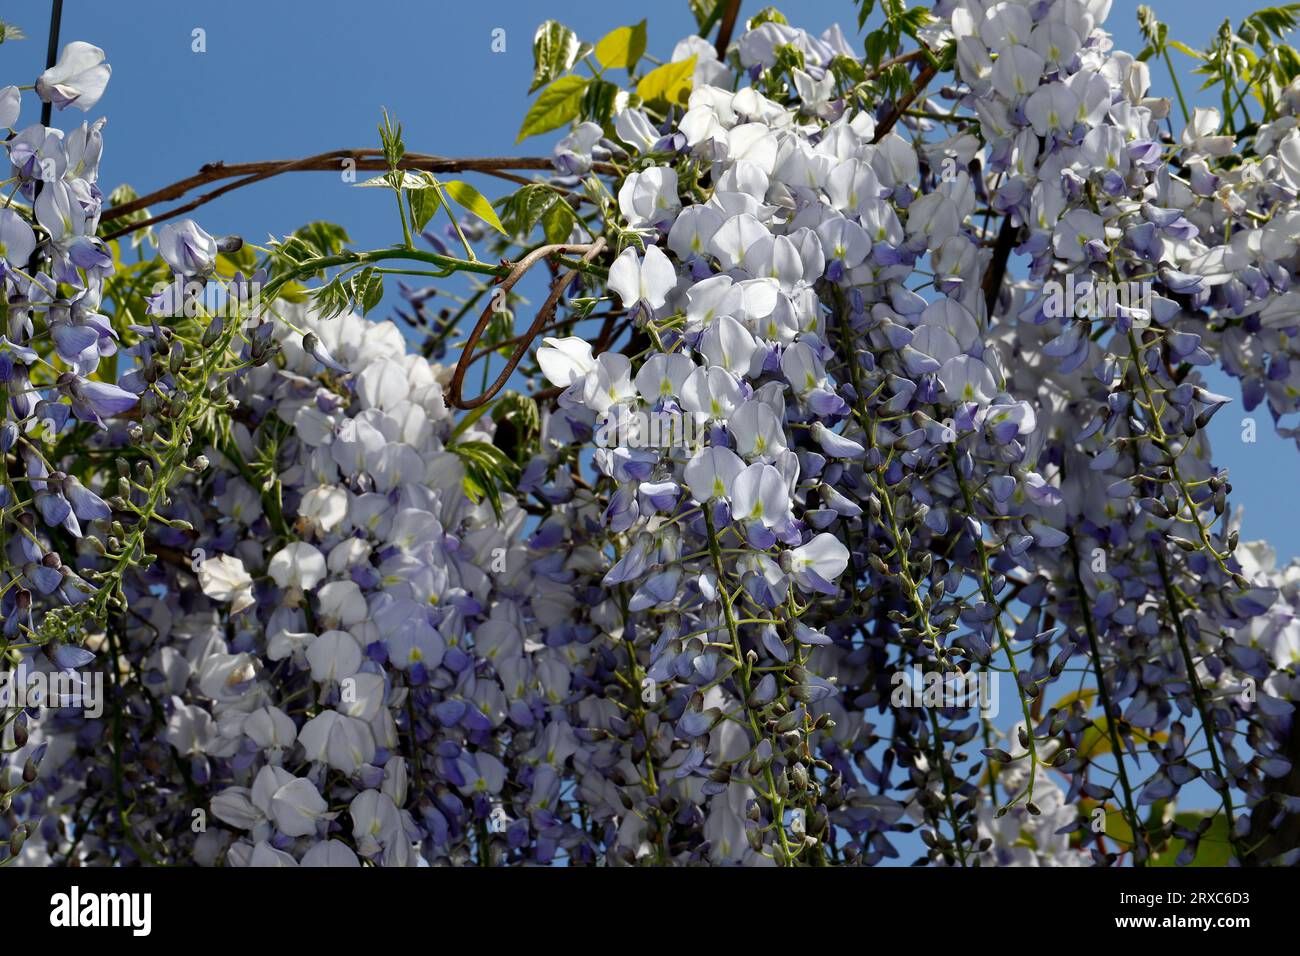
(212, 332)
(187, 248)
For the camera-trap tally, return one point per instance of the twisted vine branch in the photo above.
(589, 252)
(370, 160)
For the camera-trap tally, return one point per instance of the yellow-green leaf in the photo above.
(622, 47)
(466, 195)
(558, 221)
(555, 50)
(557, 105)
(241, 260)
(706, 13)
(293, 292)
(1184, 48)
(1213, 849)
(1083, 695)
(424, 204)
(1096, 739)
(670, 83)
(1118, 828)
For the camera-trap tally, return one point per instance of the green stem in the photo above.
(455, 223)
(742, 679)
(1198, 695)
(448, 264)
(986, 588)
(1139, 859)
(1173, 75)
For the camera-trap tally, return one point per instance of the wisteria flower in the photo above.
(77, 79)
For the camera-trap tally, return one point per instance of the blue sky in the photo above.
(287, 79)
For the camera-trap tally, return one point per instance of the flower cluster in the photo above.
(907, 462)
(290, 680)
(833, 437)
(53, 341)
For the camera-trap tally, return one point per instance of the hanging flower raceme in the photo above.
(876, 499)
(853, 428)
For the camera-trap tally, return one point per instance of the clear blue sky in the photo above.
(289, 78)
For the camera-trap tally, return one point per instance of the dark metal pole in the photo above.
(51, 57)
(52, 54)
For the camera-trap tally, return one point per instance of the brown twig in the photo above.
(518, 271)
(608, 334)
(998, 265)
(887, 65)
(371, 160)
(727, 26)
(497, 346)
(918, 85)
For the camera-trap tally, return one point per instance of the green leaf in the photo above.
(243, 259)
(390, 139)
(1288, 65)
(331, 299)
(482, 453)
(582, 306)
(409, 180)
(558, 104)
(1275, 20)
(913, 20)
(325, 238)
(848, 70)
(1214, 848)
(471, 199)
(313, 241)
(523, 209)
(558, 221)
(767, 15)
(669, 84)
(533, 204)
(877, 41)
(705, 13)
(120, 196)
(294, 292)
(788, 58)
(1118, 828)
(601, 101)
(622, 47)
(1184, 48)
(555, 50)
(865, 11)
(424, 206)
(367, 290)
(487, 471)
